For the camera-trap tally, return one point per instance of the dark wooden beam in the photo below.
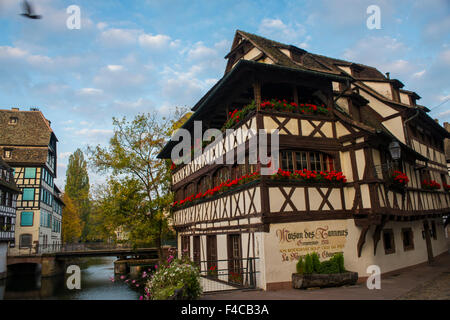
(362, 239)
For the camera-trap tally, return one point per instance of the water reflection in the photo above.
(95, 284)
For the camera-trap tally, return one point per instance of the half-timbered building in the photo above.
(8, 196)
(28, 145)
(362, 168)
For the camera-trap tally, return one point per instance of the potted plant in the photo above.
(313, 273)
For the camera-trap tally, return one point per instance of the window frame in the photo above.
(28, 190)
(32, 218)
(27, 171)
(407, 233)
(21, 240)
(392, 242)
(323, 159)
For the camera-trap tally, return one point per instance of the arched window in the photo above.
(235, 171)
(190, 190)
(204, 184)
(179, 194)
(222, 175)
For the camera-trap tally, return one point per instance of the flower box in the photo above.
(446, 187)
(430, 185)
(304, 281)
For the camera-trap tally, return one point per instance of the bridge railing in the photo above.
(76, 247)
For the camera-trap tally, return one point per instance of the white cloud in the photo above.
(291, 33)
(90, 91)
(375, 49)
(101, 25)
(93, 132)
(114, 67)
(12, 52)
(64, 155)
(154, 41)
(419, 74)
(119, 37)
(444, 114)
(200, 51)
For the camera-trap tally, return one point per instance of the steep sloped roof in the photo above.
(31, 129)
(307, 60)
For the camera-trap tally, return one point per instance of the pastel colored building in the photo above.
(29, 145)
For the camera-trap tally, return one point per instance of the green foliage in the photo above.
(338, 258)
(139, 189)
(176, 275)
(300, 266)
(77, 188)
(237, 115)
(329, 266)
(312, 264)
(309, 267)
(71, 221)
(315, 262)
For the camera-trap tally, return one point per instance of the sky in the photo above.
(140, 56)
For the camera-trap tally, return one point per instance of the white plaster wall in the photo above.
(382, 88)
(395, 126)
(380, 107)
(399, 259)
(3, 256)
(277, 270)
(404, 98)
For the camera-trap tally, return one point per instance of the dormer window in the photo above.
(13, 120)
(7, 154)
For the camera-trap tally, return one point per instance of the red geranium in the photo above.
(430, 185)
(400, 178)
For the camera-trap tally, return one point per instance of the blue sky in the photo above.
(150, 56)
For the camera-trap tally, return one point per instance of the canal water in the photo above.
(96, 284)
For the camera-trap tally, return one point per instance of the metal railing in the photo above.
(78, 247)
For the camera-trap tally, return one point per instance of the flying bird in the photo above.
(29, 12)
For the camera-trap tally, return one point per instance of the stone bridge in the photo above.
(52, 260)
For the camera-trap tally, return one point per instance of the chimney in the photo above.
(15, 109)
(437, 121)
(387, 75)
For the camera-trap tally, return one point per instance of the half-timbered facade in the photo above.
(8, 196)
(362, 168)
(28, 145)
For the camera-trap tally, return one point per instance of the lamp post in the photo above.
(396, 152)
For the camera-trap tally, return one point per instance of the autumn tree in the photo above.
(77, 188)
(71, 221)
(131, 157)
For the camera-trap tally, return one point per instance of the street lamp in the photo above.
(395, 150)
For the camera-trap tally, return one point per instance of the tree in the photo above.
(71, 222)
(132, 154)
(77, 188)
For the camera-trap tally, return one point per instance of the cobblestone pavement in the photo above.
(436, 289)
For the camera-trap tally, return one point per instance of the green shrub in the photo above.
(176, 275)
(312, 264)
(315, 262)
(300, 266)
(329, 266)
(339, 259)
